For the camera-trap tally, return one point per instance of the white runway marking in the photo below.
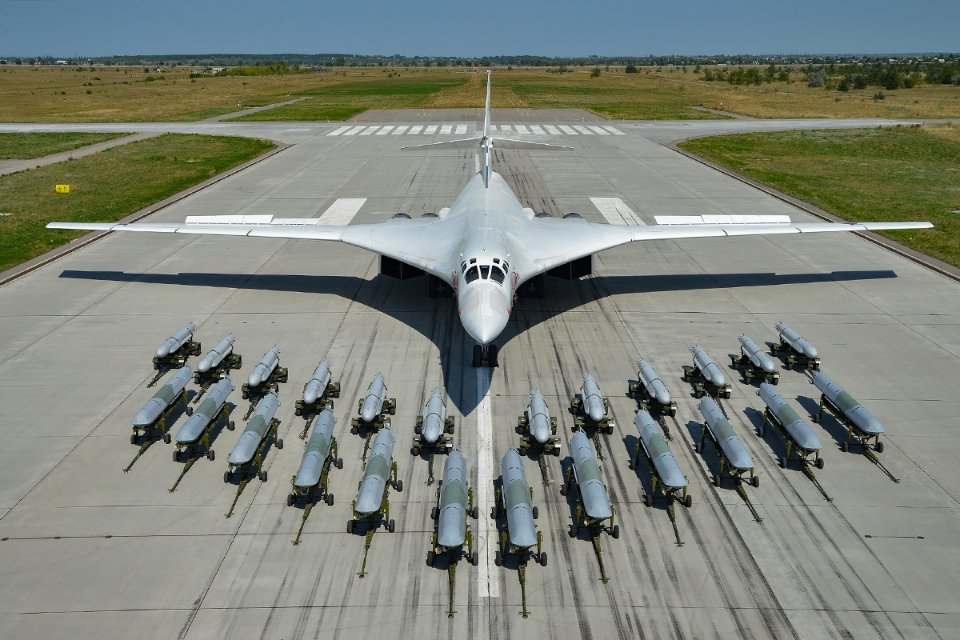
(616, 211)
(552, 130)
(536, 129)
(354, 131)
(385, 130)
(342, 211)
(521, 129)
(505, 128)
(488, 580)
(614, 131)
(338, 131)
(599, 130)
(568, 130)
(415, 130)
(399, 130)
(583, 130)
(461, 129)
(432, 129)
(368, 130)
(445, 129)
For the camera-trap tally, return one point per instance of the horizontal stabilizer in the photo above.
(510, 143)
(460, 143)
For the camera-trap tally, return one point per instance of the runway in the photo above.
(87, 551)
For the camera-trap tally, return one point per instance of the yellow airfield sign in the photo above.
(62, 188)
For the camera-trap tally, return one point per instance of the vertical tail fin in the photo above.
(485, 142)
(486, 110)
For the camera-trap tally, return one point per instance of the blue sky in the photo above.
(65, 28)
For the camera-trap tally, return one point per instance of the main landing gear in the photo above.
(484, 355)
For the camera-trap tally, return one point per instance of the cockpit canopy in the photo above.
(484, 269)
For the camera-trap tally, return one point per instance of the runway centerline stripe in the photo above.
(338, 131)
(342, 211)
(488, 581)
(616, 211)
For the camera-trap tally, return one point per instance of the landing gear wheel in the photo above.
(339, 463)
(492, 352)
(415, 451)
(475, 513)
(715, 479)
(398, 486)
(477, 356)
(176, 456)
(231, 425)
(563, 489)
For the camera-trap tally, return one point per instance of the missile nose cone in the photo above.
(663, 397)
(146, 415)
(254, 379)
(204, 365)
(163, 350)
(367, 412)
(809, 350)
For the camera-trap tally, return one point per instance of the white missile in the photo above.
(177, 340)
(265, 367)
(796, 341)
(755, 354)
(318, 382)
(652, 383)
(708, 368)
(216, 355)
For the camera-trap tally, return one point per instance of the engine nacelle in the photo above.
(399, 270)
(574, 269)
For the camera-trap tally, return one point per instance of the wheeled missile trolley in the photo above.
(794, 349)
(705, 375)
(318, 394)
(752, 363)
(590, 409)
(540, 427)
(174, 351)
(650, 392)
(320, 454)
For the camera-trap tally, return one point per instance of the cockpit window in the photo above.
(497, 275)
(472, 274)
(506, 266)
(485, 271)
(463, 267)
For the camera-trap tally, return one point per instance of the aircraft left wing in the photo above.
(425, 243)
(550, 242)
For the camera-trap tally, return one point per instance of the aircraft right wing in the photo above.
(549, 242)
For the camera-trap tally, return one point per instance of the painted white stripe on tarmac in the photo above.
(399, 130)
(616, 211)
(552, 130)
(385, 130)
(536, 129)
(583, 130)
(338, 131)
(415, 130)
(521, 129)
(432, 129)
(369, 130)
(342, 211)
(354, 131)
(461, 129)
(445, 129)
(506, 128)
(614, 131)
(568, 130)
(488, 579)
(599, 130)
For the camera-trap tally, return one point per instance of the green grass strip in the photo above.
(26, 146)
(889, 174)
(108, 186)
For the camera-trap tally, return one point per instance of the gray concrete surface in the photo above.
(89, 552)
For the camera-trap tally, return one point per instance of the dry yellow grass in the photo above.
(60, 94)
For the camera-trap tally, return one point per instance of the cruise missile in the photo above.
(433, 425)
(590, 405)
(375, 405)
(177, 340)
(216, 355)
(319, 384)
(753, 363)
(454, 503)
(666, 473)
(255, 433)
(380, 470)
(708, 368)
(514, 500)
(651, 387)
(860, 423)
(195, 429)
(756, 355)
(794, 429)
(268, 363)
(593, 493)
(168, 395)
(733, 453)
(320, 450)
(539, 425)
(795, 348)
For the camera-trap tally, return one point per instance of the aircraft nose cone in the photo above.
(483, 328)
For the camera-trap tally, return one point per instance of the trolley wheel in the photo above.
(782, 462)
(844, 446)
(563, 489)
(573, 530)
(166, 438)
(697, 448)
(133, 438)
(522, 451)
(226, 477)
(715, 479)
(189, 410)
(819, 463)
(211, 455)
(536, 512)
(543, 559)
(339, 463)
(280, 443)
(498, 559)
(290, 499)
(434, 513)
(648, 500)
(728, 393)
(391, 526)
(493, 513)
(398, 485)
(350, 524)
(328, 498)
(431, 556)
(609, 429)
(176, 456)
(878, 447)
(755, 481)
(475, 513)
(474, 559)
(615, 532)
(688, 501)
(262, 475)
(231, 425)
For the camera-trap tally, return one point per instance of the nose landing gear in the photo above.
(485, 355)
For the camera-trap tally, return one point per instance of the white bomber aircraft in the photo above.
(485, 246)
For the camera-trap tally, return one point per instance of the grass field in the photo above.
(128, 94)
(107, 186)
(26, 146)
(901, 173)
